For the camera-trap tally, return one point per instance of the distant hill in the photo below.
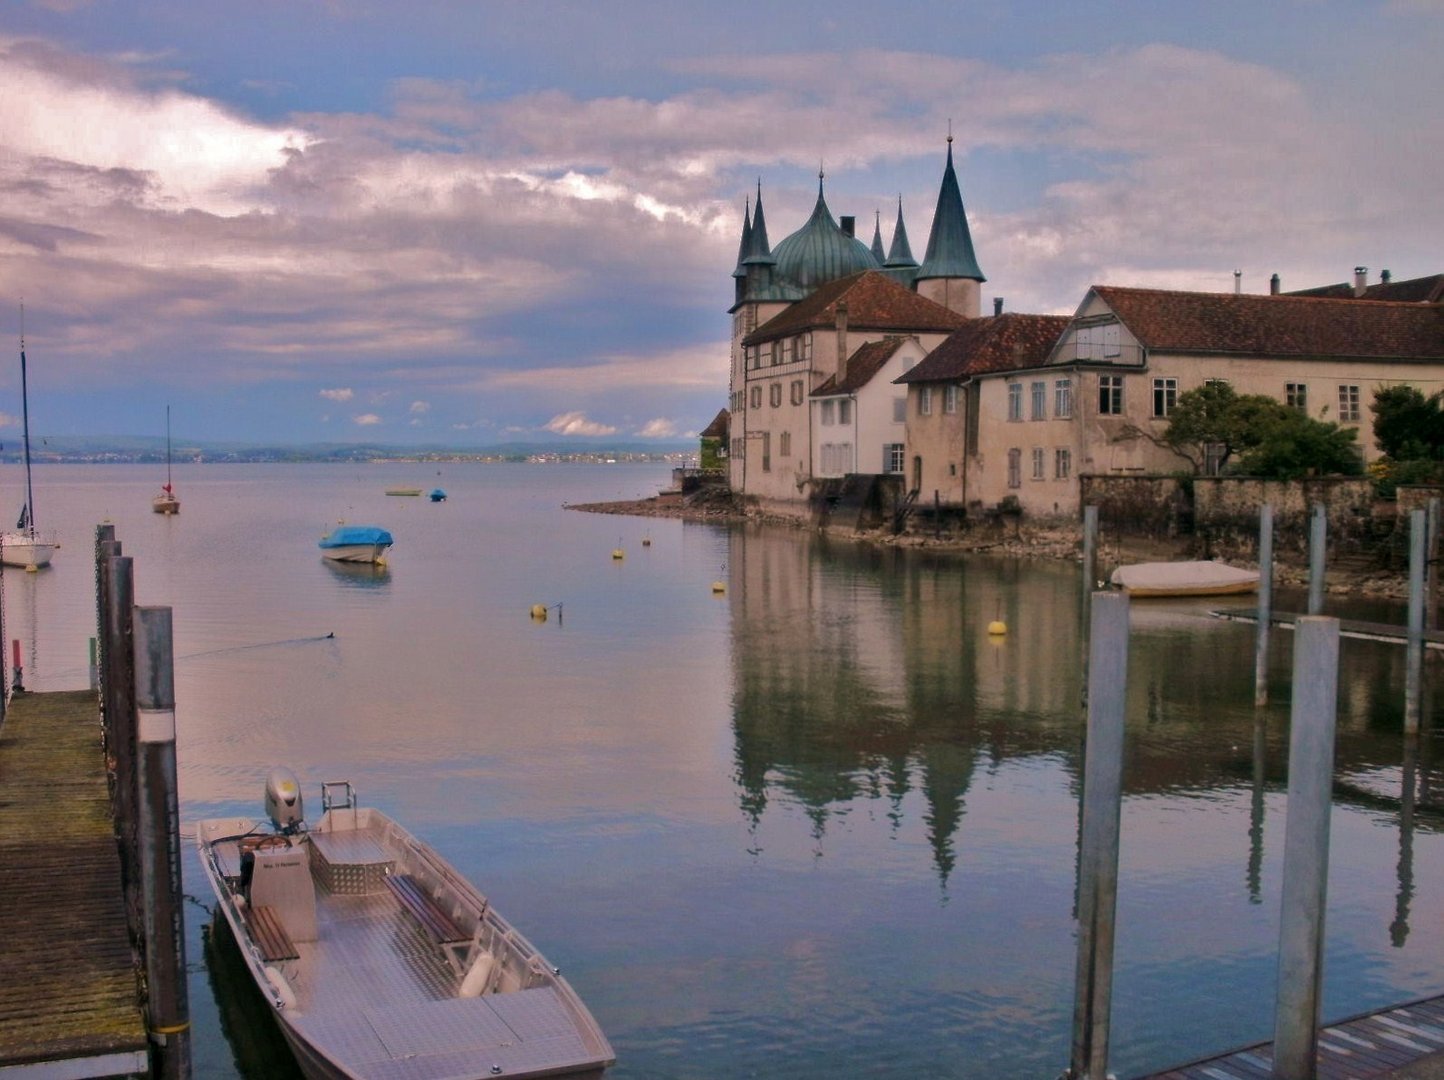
(135, 448)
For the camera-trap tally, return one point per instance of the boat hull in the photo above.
(165, 504)
(1185, 579)
(357, 553)
(364, 992)
(29, 552)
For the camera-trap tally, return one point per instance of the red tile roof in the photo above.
(861, 367)
(717, 429)
(1421, 290)
(1007, 342)
(874, 302)
(1277, 325)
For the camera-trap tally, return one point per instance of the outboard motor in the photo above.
(283, 800)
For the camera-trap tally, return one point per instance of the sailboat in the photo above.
(25, 545)
(166, 502)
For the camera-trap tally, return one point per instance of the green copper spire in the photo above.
(877, 252)
(742, 248)
(759, 251)
(950, 245)
(900, 256)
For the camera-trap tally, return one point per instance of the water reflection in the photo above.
(359, 575)
(248, 1021)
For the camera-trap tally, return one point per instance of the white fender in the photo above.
(478, 976)
(283, 995)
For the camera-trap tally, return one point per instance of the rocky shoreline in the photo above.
(1017, 541)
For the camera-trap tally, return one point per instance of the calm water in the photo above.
(819, 824)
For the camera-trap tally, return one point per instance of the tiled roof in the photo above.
(717, 429)
(861, 367)
(1277, 325)
(874, 302)
(1002, 343)
(1421, 290)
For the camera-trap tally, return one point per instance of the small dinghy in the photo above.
(380, 959)
(1184, 579)
(356, 544)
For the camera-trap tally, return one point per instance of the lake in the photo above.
(818, 823)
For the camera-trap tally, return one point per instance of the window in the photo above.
(784, 444)
(1038, 459)
(804, 347)
(774, 394)
(1110, 395)
(893, 458)
(774, 352)
(1165, 396)
(756, 397)
(750, 352)
(1296, 394)
(1063, 399)
(1015, 468)
(1101, 341)
(786, 344)
(1015, 401)
(925, 401)
(836, 458)
(797, 391)
(899, 410)
(829, 412)
(950, 399)
(844, 411)
(767, 451)
(1039, 395)
(1348, 404)
(1062, 463)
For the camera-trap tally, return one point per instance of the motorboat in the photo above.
(379, 959)
(25, 545)
(1195, 578)
(166, 502)
(437, 495)
(356, 543)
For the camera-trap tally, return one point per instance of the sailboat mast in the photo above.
(25, 423)
(167, 448)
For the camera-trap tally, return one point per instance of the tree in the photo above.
(1407, 425)
(1270, 438)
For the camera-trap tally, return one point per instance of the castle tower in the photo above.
(949, 274)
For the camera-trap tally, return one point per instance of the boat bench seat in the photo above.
(437, 924)
(270, 936)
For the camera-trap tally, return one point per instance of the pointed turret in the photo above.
(759, 251)
(742, 248)
(758, 265)
(900, 255)
(950, 273)
(877, 252)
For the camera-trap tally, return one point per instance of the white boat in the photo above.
(1199, 578)
(356, 543)
(25, 545)
(380, 959)
(166, 502)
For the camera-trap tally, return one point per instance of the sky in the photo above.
(464, 223)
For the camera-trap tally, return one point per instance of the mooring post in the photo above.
(94, 668)
(1318, 539)
(104, 535)
(1306, 847)
(168, 1006)
(1090, 582)
(1098, 862)
(117, 694)
(1265, 604)
(1414, 667)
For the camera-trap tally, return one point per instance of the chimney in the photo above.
(1237, 282)
(1361, 280)
(997, 305)
(1274, 285)
(841, 341)
(1385, 277)
(849, 225)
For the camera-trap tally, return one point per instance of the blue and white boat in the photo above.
(356, 543)
(437, 495)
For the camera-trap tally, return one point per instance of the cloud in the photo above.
(657, 429)
(576, 423)
(6, 420)
(366, 419)
(688, 367)
(339, 394)
(420, 407)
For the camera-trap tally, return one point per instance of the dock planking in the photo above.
(69, 989)
(1372, 1045)
(1350, 628)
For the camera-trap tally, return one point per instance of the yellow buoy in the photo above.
(539, 612)
(997, 628)
(618, 553)
(718, 587)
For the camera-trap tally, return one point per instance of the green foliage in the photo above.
(1388, 475)
(1407, 425)
(1269, 438)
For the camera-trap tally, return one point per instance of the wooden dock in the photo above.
(1373, 1045)
(1391, 633)
(69, 988)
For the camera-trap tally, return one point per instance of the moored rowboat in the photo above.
(380, 959)
(1197, 578)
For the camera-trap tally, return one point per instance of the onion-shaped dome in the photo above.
(820, 251)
